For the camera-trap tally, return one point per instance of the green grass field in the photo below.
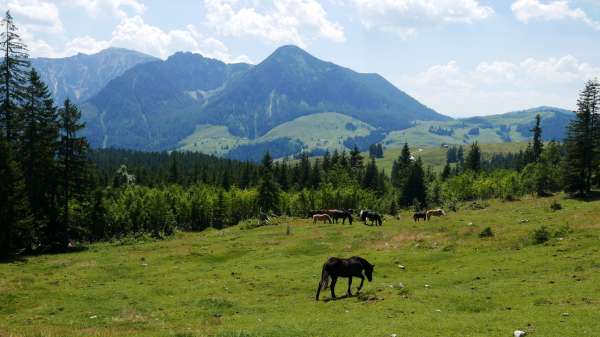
(262, 282)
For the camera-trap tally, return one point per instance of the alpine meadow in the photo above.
(439, 179)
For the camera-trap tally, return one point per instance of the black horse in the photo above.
(370, 215)
(340, 214)
(420, 215)
(352, 267)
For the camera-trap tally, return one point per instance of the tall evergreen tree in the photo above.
(371, 176)
(538, 143)
(72, 157)
(414, 187)
(38, 150)
(473, 160)
(460, 156)
(315, 176)
(580, 143)
(356, 159)
(400, 167)
(13, 78)
(268, 190)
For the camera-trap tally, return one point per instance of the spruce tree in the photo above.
(414, 187)
(356, 159)
(460, 156)
(400, 167)
(538, 144)
(38, 150)
(72, 157)
(580, 143)
(268, 190)
(13, 78)
(473, 160)
(371, 176)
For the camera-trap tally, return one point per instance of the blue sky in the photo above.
(460, 57)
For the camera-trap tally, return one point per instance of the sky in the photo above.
(459, 57)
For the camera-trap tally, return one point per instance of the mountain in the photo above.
(508, 127)
(154, 105)
(82, 76)
(205, 105)
(292, 83)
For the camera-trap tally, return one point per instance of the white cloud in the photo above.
(527, 10)
(37, 15)
(500, 86)
(282, 22)
(406, 17)
(134, 33)
(114, 7)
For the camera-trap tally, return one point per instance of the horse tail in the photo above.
(379, 220)
(324, 283)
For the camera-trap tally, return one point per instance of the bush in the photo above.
(541, 235)
(563, 231)
(486, 233)
(555, 206)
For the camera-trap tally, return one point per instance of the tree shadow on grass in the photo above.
(23, 256)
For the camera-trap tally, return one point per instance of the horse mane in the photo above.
(362, 261)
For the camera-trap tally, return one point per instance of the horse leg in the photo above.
(349, 285)
(332, 286)
(362, 281)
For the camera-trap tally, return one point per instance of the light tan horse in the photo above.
(435, 212)
(322, 217)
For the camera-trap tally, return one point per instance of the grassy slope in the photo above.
(262, 281)
(436, 156)
(323, 130)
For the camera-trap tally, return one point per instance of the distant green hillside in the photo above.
(314, 133)
(510, 127)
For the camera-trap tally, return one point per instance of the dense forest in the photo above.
(55, 191)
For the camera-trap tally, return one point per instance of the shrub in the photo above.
(555, 206)
(563, 231)
(486, 233)
(541, 235)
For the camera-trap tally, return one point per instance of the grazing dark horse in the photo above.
(340, 214)
(420, 215)
(352, 267)
(370, 215)
(322, 217)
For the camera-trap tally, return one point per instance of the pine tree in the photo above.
(400, 167)
(446, 172)
(580, 145)
(460, 156)
(326, 161)
(371, 176)
(174, 174)
(15, 220)
(13, 78)
(537, 139)
(315, 177)
(268, 190)
(473, 160)
(38, 149)
(356, 159)
(220, 211)
(72, 157)
(414, 188)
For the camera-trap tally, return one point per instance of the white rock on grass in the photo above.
(519, 333)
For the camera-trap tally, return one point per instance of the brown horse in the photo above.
(322, 217)
(435, 212)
